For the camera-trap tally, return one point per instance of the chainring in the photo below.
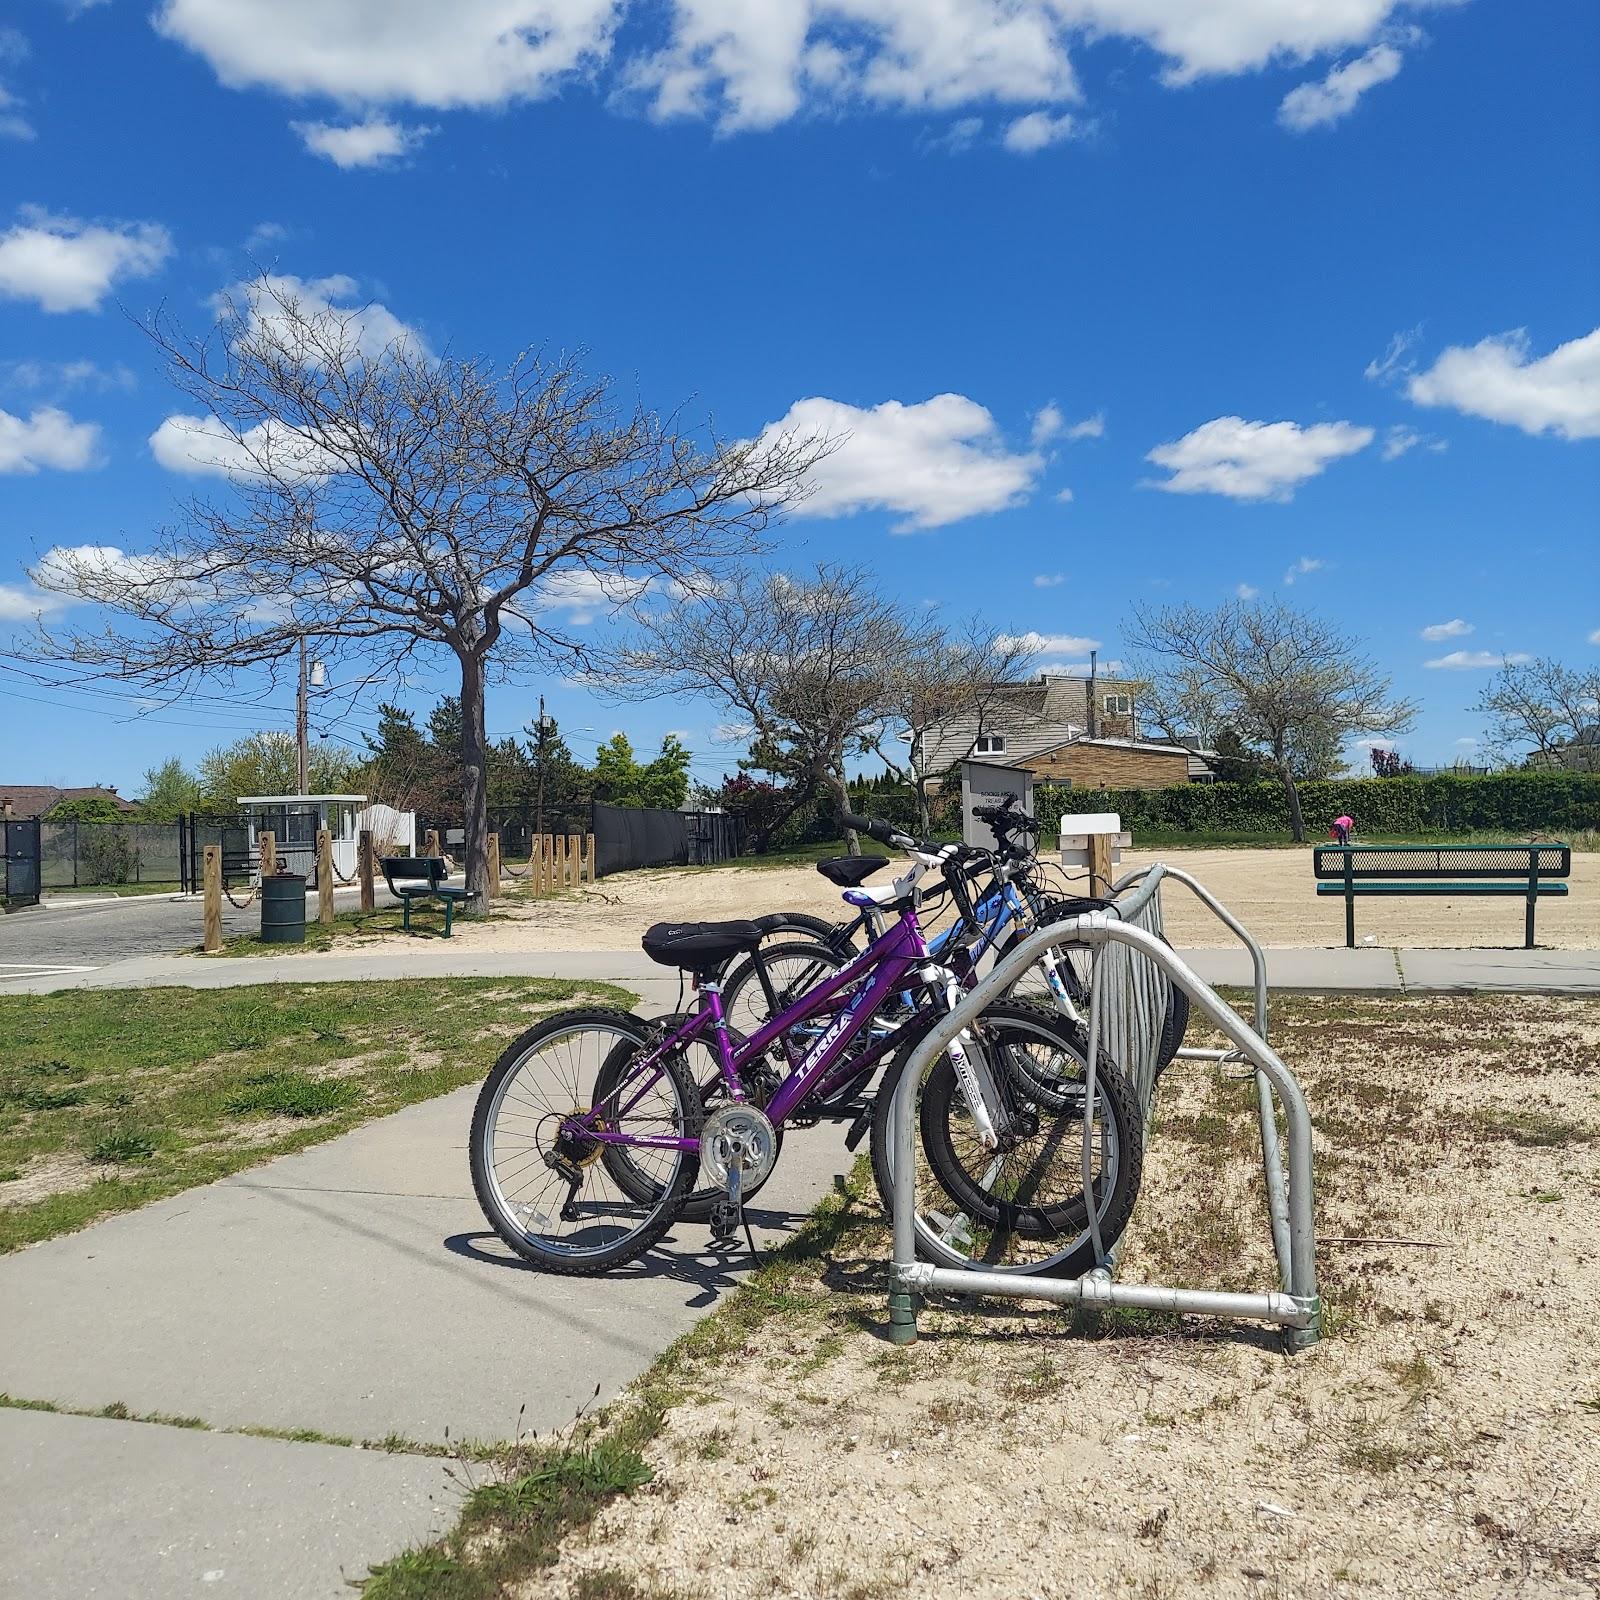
(737, 1137)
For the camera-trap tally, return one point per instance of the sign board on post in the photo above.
(1093, 840)
(983, 783)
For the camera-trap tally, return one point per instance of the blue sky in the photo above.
(1118, 300)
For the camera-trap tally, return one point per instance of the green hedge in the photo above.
(1512, 802)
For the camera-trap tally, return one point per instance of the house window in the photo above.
(1117, 705)
(989, 744)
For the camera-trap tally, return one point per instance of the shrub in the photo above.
(291, 1094)
(106, 854)
(122, 1144)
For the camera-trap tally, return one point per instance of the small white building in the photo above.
(294, 819)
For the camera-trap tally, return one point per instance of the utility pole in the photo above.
(539, 803)
(311, 677)
(302, 757)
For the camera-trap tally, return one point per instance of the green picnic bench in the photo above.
(1523, 870)
(422, 878)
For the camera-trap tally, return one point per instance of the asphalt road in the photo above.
(64, 935)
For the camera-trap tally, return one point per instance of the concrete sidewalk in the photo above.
(353, 1288)
(1367, 968)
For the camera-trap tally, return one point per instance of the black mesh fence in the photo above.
(76, 855)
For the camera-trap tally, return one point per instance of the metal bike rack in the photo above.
(1127, 1007)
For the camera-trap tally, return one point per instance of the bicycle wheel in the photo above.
(545, 1188)
(794, 968)
(698, 1057)
(1020, 1207)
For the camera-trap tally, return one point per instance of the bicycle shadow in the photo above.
(709, 1270)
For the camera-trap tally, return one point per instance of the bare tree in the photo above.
(807, 663)
(1544, 709)
(946, 676)
(391, 505)
(1289, 684)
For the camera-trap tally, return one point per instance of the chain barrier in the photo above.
(248, 901)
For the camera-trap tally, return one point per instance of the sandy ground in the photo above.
(1444, 1439)
(1272, 891)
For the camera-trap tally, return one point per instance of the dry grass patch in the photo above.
(1445, 1437)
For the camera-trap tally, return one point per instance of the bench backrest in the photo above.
(1442, 860)
(430, 870)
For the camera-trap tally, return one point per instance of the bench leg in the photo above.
(1533, 900)
(405, 914)
(449, 908)
(1349, 918)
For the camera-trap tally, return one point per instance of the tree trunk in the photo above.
(1297, 823)
(475, 785)
(835, 785)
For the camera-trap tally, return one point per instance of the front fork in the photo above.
(971, 1063)
(1059, 991)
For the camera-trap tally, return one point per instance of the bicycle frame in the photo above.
(885, 964)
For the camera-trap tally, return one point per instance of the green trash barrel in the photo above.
(283, 908)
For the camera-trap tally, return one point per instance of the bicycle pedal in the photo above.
(858, 1128)
(724, 1221)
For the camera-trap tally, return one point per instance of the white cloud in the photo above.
(68, 265)
(1049, 580)
(1398, 440)
(332, 305)
(1477, 660)
(1319, 105)
(584, 596)
(745, 63)
(935, 462)
(371, 143)
(1048, 424)
(203, 446)
(1436, 632)
(1499, 379)
(1304, 565)
(1247, 591)
(23, 605)
(48, 437)
(14, 123)
(955, 140)
(473, 53)
(1090, 428)
(1064, 644)
(1594, 638)
(1254, 460)
(59, 376)
(1037, 131)
(1064, 496)
(64, 571)
(1392, 364)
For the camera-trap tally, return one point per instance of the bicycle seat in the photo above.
(699, 946)
(849, 872)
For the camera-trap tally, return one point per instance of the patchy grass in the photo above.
(353, 928)
(113, 1098)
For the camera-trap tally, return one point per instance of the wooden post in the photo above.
(588, 855)
(1100, 864)
(369, 895)
(558, 861)
(212, 878)
(324, 877)
(432, 846)
(575, 856)
(493, 892)
(269, 854)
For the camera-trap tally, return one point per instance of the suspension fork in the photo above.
(973, 1073)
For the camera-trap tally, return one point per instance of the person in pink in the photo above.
(1343, 827)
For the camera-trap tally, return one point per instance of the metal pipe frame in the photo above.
(1296, 1307)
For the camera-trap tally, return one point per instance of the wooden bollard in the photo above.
(367, 866)
(269, 854)
(324, 877)
(588, 856)
(493, 891)
(575, 855)
(1100, 864)
(211, 877)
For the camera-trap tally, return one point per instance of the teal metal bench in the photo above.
(1523, 870)
(422, 878)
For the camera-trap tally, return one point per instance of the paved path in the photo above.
(1370, 968)
(68, 933)
(352, 1288)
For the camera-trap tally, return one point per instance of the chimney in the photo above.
(1094, 713)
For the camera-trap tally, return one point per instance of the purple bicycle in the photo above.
(593, 1129)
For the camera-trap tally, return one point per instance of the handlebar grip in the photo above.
(873, 827)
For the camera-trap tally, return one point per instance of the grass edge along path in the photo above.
(234, 1077)
(539, 1493)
